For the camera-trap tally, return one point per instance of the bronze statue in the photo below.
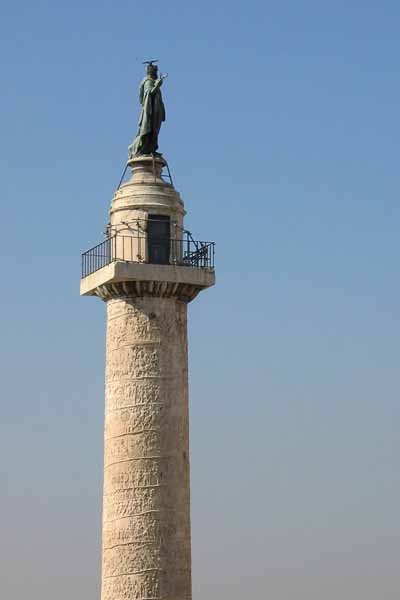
(152, 113)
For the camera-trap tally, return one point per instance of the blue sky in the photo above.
(282, 136)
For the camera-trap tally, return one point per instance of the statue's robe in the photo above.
(151, 117)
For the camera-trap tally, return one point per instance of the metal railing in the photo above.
(136, 249)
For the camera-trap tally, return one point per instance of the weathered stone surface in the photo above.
(130, 502)
(128, 393)
(138, 279)
(137, 419)
(146, 520)
(133, 587)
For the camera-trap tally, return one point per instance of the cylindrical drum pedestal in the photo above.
(146, 509)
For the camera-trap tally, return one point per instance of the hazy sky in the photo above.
(283, 139)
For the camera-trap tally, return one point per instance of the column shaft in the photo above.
(146, 507)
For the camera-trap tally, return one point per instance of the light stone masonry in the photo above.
(146, 512)
(146, 550)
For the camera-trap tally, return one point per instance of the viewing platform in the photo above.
(145, 265)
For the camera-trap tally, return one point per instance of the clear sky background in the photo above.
(283, 139)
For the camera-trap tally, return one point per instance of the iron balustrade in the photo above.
(134, 249)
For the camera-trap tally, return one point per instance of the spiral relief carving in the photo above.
(146, 518)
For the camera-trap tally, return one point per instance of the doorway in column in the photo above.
(158, 239)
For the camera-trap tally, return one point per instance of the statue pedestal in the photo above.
(147, 168)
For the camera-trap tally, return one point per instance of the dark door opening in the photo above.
(158, 239)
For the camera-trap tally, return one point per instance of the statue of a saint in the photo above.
(152, 113)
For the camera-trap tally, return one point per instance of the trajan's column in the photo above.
(147, 270)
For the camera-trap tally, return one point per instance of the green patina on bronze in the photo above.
(151, 115)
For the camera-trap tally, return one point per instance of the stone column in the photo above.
(146, 509)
